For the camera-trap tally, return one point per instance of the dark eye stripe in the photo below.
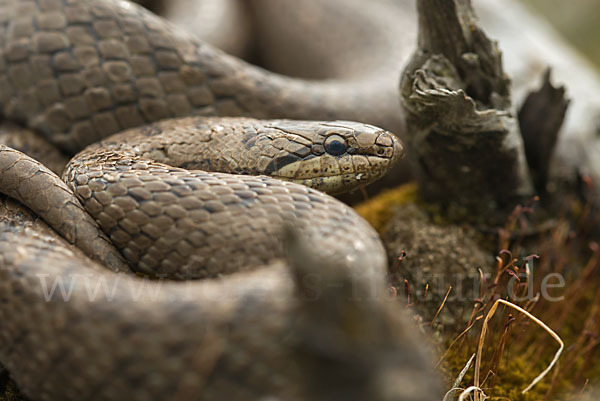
(280, 162)
(335, 145)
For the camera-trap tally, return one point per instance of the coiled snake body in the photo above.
(79, 71)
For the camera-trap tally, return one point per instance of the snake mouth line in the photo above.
(329, 167)
(338, 183)
(360, 176)
(335, 175)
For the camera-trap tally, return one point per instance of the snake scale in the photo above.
(265, 326)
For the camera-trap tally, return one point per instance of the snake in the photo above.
(92, 301)
(91, 70)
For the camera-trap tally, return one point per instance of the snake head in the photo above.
(333, 157)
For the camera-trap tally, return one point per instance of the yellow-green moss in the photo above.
(378, 211)
(529, 350)
(514, 374)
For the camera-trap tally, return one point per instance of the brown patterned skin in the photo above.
(33, 184)
(331, 156)
(33, 145)
(73, 330)
(317, 334)
(192, 223)
(319, 329)
(334, 39)
(79, 71)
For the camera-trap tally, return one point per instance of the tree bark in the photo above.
(461, 132)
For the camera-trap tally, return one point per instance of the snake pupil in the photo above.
(335, 145)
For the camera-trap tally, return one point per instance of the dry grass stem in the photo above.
(482, 340)
(441, 306)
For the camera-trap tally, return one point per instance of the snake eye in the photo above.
(335, 145)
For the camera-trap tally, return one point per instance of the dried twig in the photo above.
(537, 321)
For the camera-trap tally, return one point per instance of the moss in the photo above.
(514, 377)
(379, 210)
(436, 257)
(433, 244)
(528, 349)
(508, 382)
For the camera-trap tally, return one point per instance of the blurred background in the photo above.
(577, 20)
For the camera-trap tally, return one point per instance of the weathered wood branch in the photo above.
(461, 131)
(526, 56)
(540, 119)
